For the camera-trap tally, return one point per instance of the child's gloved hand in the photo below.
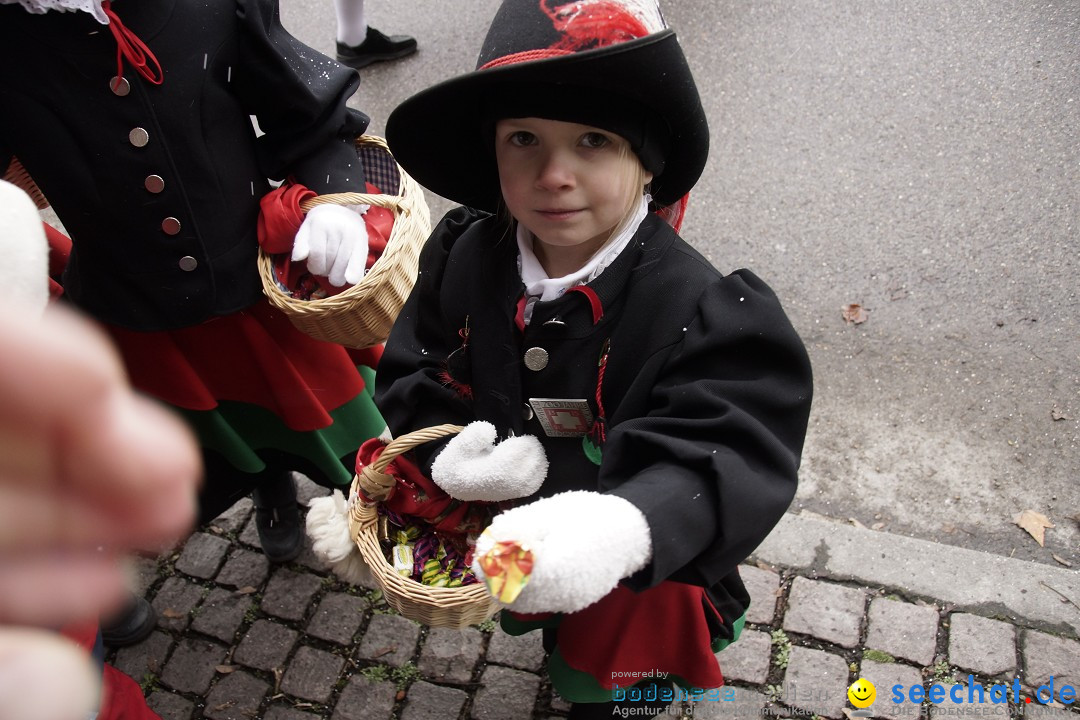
(473, 467)
(331, 539)
(334, 241)
(583, 543)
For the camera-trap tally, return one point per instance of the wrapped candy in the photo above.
(434, 574)
(406, 535)
(402, 555)
(507, 566)
(420, 552)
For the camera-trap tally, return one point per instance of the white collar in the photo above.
(536, 280)
(40, 7)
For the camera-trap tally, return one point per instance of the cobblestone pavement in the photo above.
(240, 639)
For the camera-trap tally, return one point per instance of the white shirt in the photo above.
(40, 7)
(538, 286)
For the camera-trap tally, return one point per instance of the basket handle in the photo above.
(374, 481)
(390, 202)
(18, 176)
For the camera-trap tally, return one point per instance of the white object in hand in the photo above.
(334, 241)
(473, 467)
(583, 543)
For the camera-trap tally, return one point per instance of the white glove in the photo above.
(583, 544)
(332, 542)
(334, 241)
(473, 467)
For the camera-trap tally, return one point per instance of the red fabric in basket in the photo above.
(280, 217)
(417, 496)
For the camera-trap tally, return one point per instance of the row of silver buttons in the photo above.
(155, 184)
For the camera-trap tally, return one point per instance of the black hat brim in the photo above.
(441, 138)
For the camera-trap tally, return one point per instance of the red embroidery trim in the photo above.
(128, 45)
(462, 389)
(597, 432)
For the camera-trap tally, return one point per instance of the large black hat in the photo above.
(612, 64)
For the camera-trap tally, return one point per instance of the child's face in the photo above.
(569, 184)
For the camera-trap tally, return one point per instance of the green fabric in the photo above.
(592, 450)
(369, 379)
(577, 686)
(736, 630)
(580, 687)
(515, 626)
(238, 431)
(574, 685)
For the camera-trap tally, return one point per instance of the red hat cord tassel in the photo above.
(128, 45)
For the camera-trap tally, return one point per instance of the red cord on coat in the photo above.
(128, 45)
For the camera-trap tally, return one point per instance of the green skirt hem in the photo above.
(241, 431)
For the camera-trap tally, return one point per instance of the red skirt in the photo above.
(661, 633)
(250, 381)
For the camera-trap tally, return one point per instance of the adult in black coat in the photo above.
(134, 120)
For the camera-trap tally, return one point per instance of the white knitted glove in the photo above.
(473, 467)
(334, 241)
(331, 541)
(583, 544)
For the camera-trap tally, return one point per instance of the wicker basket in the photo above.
(433, 606)
(16, 175)
(362, 315)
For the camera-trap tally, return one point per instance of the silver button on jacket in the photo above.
(536, 358)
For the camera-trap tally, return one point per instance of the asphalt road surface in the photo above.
(918, 158)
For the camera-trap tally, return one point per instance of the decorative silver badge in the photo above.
(562, 417)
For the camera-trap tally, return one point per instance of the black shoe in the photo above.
(277, 518)
(131, 625)
(375, 48)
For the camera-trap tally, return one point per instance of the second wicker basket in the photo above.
(447, 607)
(362, 315)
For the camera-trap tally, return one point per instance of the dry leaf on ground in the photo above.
(1034, 523)
(854, 313)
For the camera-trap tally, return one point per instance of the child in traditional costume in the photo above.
(643, 413)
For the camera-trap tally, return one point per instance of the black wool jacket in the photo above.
(158, 185)
(706, 387)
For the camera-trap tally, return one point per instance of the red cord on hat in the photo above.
(525, 56)
(128, 45)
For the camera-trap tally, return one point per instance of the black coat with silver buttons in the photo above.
(158, 185)
(706, 386)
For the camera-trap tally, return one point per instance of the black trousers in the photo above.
(223, 484)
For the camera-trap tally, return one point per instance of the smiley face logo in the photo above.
(862, 693)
